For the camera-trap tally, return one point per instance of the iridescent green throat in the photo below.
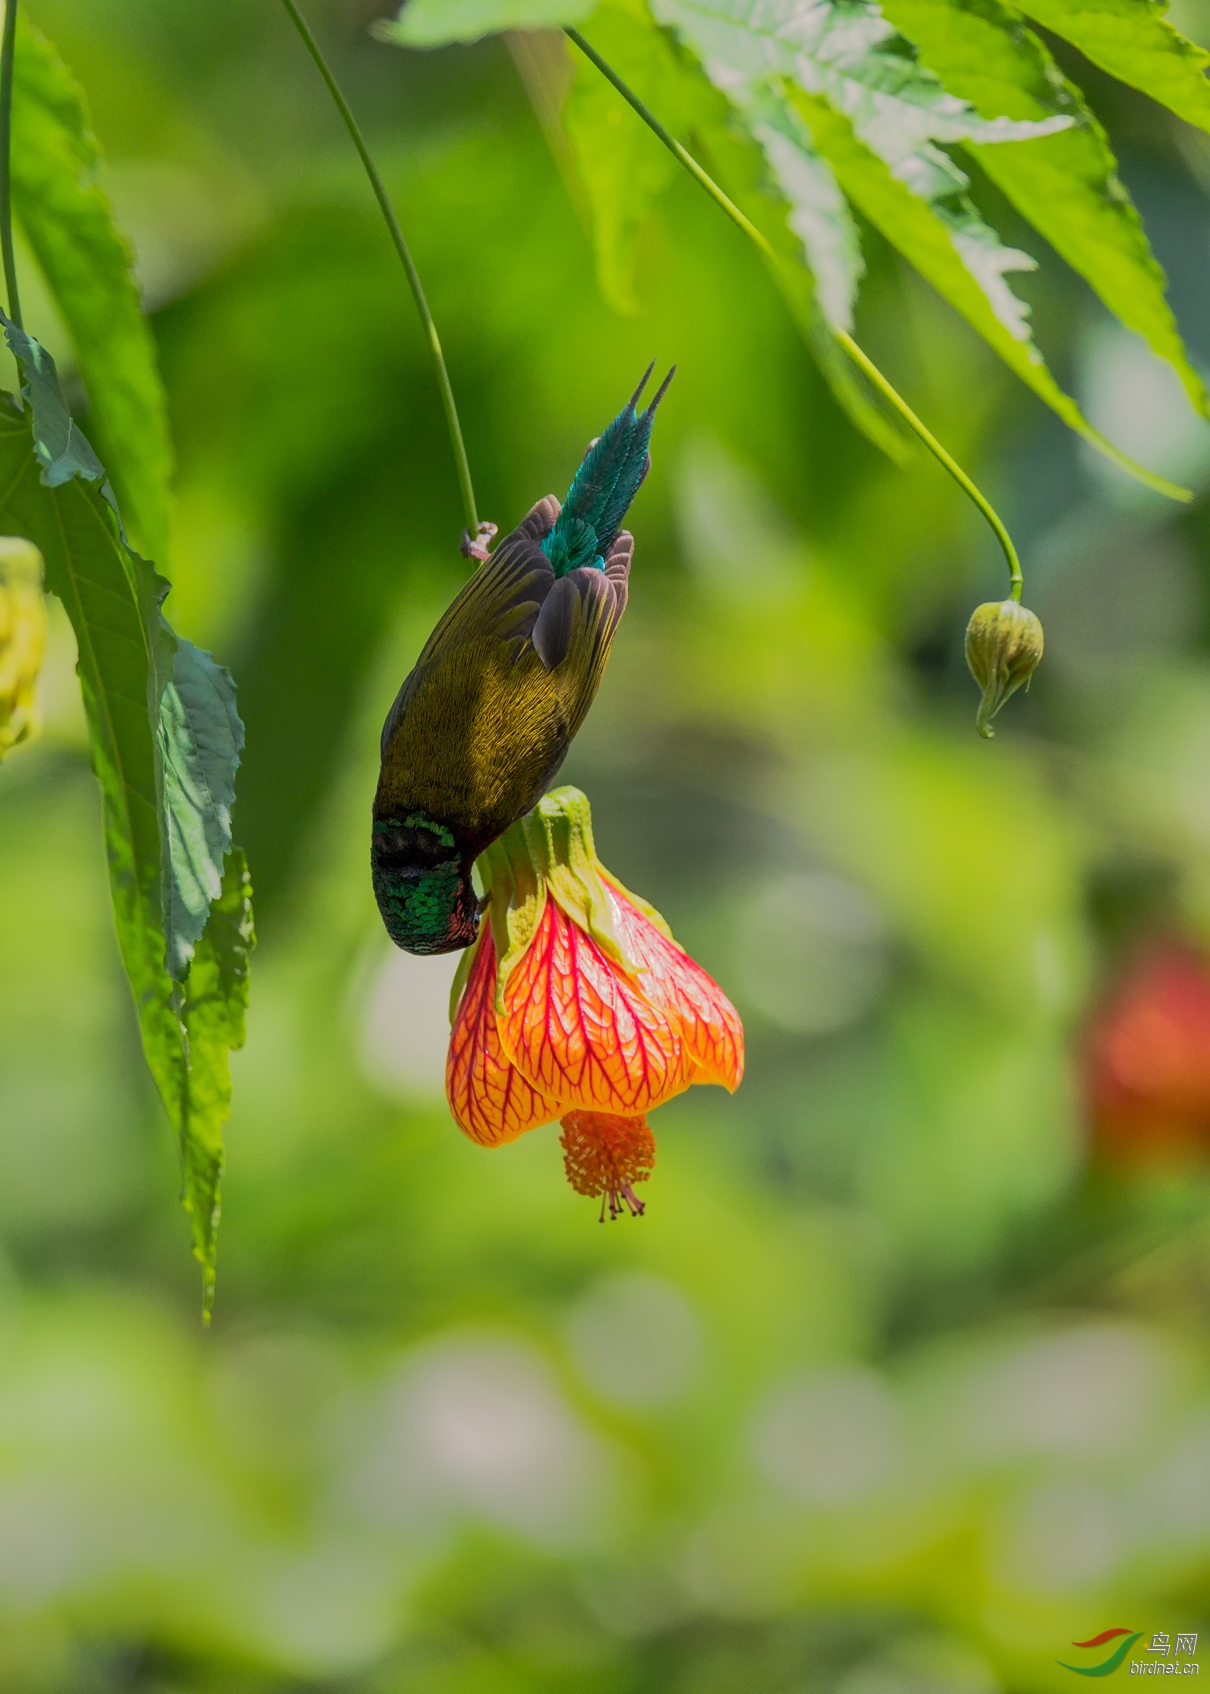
(422, 885)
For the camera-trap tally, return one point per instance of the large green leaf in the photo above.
(190, 699)
(848, 59)
(847, 52)
(432, 23)
(906, 221)
(165, 740)
(67, 221)
(1133, 40)
(1066, 185)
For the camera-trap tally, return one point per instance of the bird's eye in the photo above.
(399, 849)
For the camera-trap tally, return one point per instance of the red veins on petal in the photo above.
(709, 1024)
(582, 1032)
(491, 1101)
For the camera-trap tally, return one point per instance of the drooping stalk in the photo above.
(864, 363)
(6, 148)
(860, 358)
(401, 247)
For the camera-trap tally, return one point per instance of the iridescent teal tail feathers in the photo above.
(607, 481)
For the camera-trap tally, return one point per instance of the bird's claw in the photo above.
(478, 546)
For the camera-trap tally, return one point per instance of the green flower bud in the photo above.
(22, 639)
(1003, 650)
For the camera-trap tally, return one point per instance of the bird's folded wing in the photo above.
(501, 600)
(498, 604)
(617, 567)
(582, 610)
(578, 611)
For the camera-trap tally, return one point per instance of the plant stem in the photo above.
(401, 247)
(861, 359)
(6, 149)
(673, 145)
(866, 364)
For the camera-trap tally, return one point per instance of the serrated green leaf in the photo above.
(1067, 184)
(163, 729)
(433, 23)
(908, 223)
(190, 699)
(739, 163)
(834, 84)
(847, 52)
(67, 221)
(62, 449)
(1133, 40)
(199, 740)
(819, 212)
(214, 1003)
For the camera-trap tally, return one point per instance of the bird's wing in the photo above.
(617, 568)
(540, 519)
(504, 596)
(499, 604)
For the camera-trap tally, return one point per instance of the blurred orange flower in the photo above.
(576, 1003)
(1147, 1063)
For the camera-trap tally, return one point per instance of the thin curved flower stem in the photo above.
(861, 359)
(6, 147)
(401, 247)
(672, 144)
(866, 364)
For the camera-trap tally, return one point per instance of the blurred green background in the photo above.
(895, 1389)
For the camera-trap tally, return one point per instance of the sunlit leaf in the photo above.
(1067, 184)
(432, 23)
(199, 738)
(933, 247)
(66, 218)
(850, 55)
(1133, 40)
(165, 742)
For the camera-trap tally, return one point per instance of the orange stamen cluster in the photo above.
(606, 1155)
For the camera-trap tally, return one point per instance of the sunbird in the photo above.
(482, 724)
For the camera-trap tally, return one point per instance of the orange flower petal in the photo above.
(710, 1027)
(582, 1032)
(490, 1099)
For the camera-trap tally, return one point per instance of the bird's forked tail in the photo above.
(606, 482)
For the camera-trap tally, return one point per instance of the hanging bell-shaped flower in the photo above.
(22, 639)
(576, 1003)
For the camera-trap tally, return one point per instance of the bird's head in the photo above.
(422, 883)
